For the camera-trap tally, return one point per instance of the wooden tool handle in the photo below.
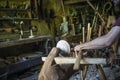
(77, 62)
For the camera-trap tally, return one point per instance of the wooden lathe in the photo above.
(71, 60)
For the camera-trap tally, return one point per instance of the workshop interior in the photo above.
(37, 40)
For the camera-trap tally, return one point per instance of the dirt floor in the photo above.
(112, 73)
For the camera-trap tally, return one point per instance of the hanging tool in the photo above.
(106, 8)
(95, 11)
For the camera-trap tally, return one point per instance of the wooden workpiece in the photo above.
(47, 69)
(52, 71)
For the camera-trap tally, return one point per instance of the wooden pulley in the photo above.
(63, 46)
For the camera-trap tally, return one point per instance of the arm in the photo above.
(101, 42)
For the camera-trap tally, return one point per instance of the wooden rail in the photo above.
(71, 60)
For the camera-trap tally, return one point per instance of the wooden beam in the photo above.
(24, 41)
(73, 1)
(71, 60)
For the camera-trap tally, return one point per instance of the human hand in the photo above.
(78, 48)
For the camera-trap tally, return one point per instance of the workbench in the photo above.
(16, 48)
(24, 41)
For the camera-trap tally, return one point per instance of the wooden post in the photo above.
(100, 30)
(84, 72)
(73, 29)
(88, 31)
(77, 62)
(101, 72)
(83, 33)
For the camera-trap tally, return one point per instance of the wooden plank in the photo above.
(23, 41)
(71, 60)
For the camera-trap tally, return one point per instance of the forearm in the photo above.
(97, 43)
(103, 41)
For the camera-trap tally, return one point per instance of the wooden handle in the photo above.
(77, 62)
